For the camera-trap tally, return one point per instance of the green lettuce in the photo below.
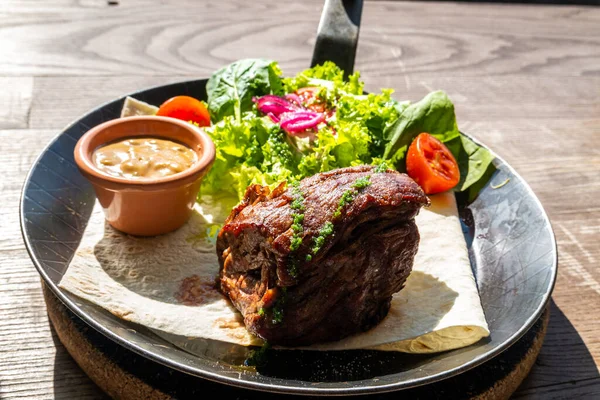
(251, 151)
(377, 112)
(327, 75)
(231, 88)
(365, 129)
(348, 146)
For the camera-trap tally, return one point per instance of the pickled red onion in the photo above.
(289, 113)
(275, 105)
(301, 121)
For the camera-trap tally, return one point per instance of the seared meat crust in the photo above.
(348, 284)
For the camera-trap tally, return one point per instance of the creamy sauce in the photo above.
(144, 157)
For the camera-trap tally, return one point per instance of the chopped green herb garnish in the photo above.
(298, 196)
(277, 311)
(362, 183)
(296, 242)
(258, 358)
(349, 195)
(277, 315)
(381, 167)
(346, 198)
(325, 231)
(308, 257)
(293, 268)
(297, 206)
(297, 225)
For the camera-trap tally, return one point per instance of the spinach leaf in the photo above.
(475, 164)
(231, 88)
(435, 115)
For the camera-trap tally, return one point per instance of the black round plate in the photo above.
(511, 246)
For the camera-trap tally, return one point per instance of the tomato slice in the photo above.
(309, 98)
(185, 108)
(431, 164)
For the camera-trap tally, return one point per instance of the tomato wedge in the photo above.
(431, 164)
(185, 108)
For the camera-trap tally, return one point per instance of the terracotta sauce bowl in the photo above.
(146, 207)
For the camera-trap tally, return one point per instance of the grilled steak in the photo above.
(320, 260)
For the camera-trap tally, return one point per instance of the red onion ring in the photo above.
(289, 113)
(298, 122)
(271, 104)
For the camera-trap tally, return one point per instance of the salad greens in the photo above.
(327, 75)
(359, 129)
(232, 87)
(475, 165)
(434, 115)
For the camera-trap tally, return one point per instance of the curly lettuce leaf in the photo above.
(327, 75)
(250, 151)
(375, 111)
(231, 88)
(365, 129)
(234, 141)
(346, 146)
(319, 157)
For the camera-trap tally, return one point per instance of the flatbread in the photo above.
(133, 108)
(167, 283)
(439, 309)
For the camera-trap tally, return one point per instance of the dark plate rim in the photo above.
(276, 388)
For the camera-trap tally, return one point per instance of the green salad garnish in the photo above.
(268, 129)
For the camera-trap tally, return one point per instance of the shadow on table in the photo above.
(563, 360)
(70, 382)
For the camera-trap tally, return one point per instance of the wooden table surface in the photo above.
(525, 80)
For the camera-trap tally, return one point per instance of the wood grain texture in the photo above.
(32, 362)
(525, 80)
(15, 96)
(538, 96)
(193, 38)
